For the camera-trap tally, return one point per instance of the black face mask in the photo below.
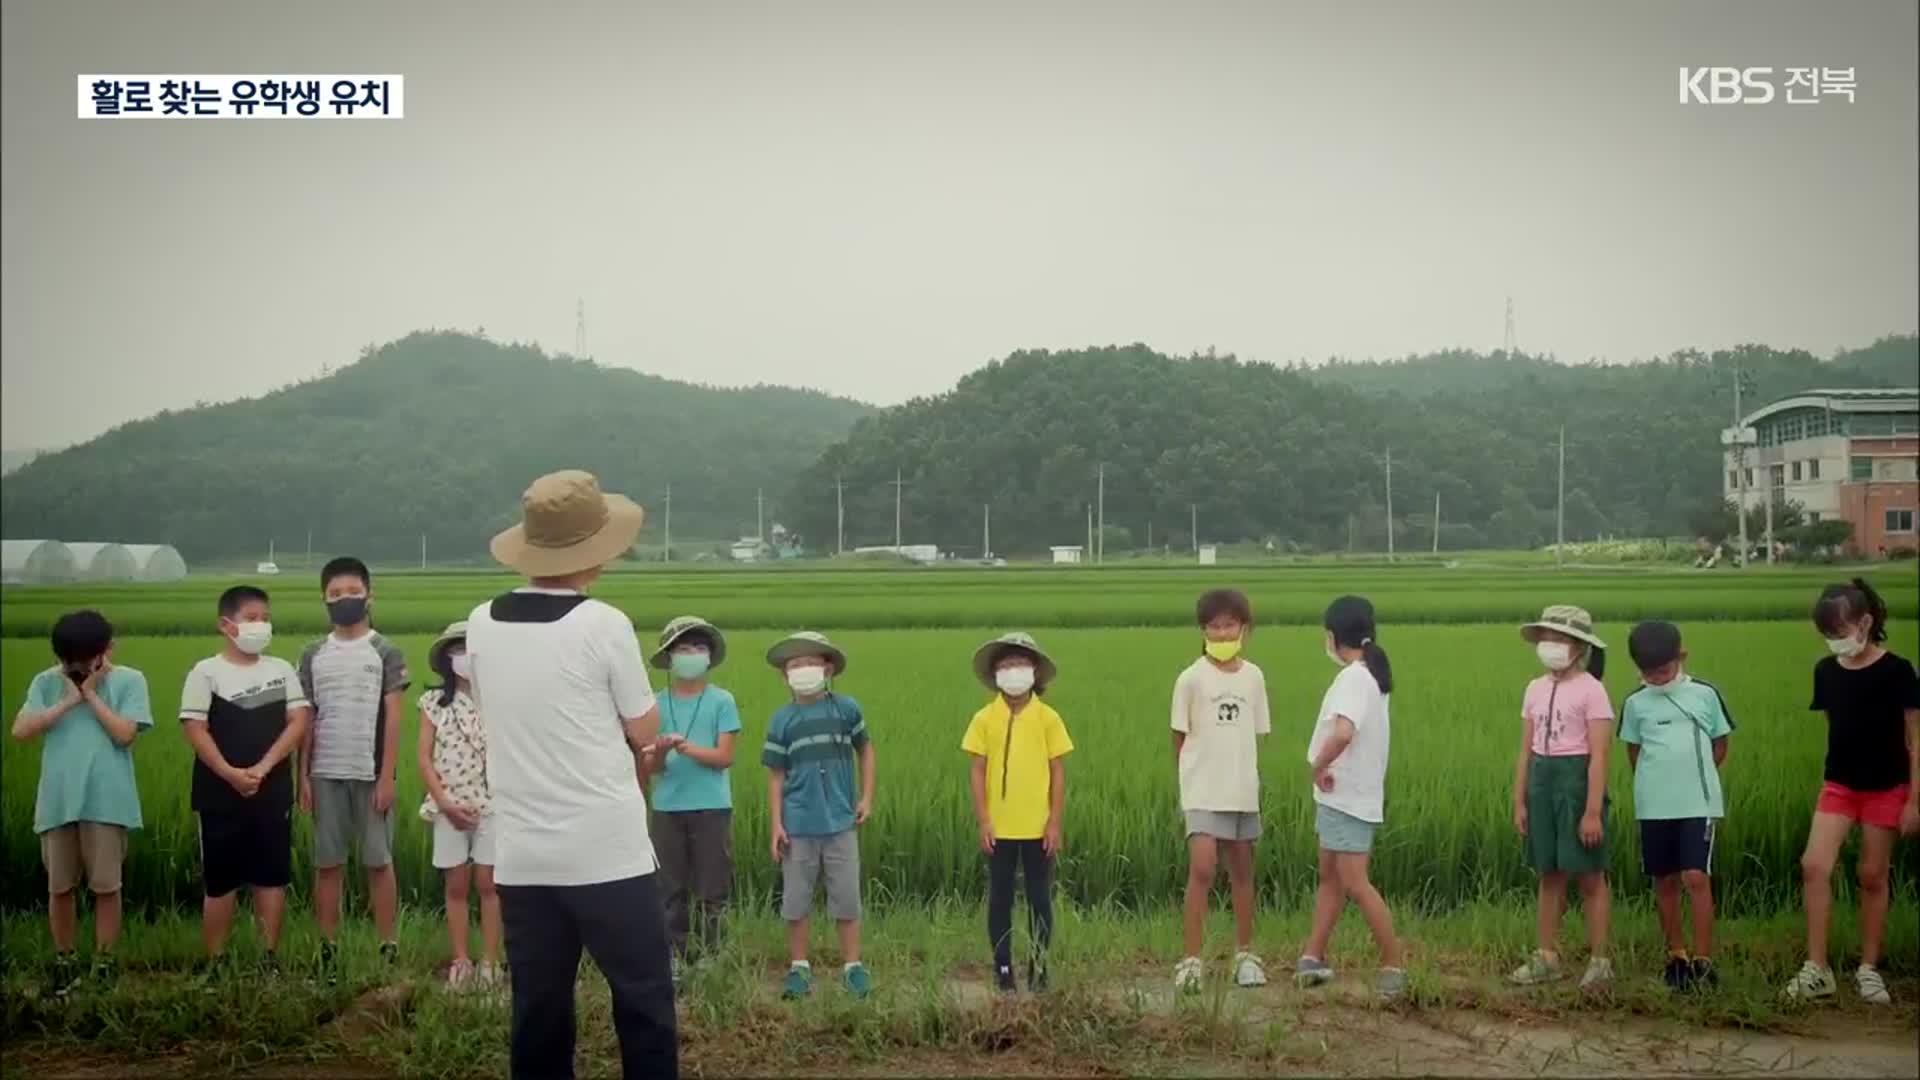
(347, 610)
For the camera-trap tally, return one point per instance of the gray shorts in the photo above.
(1223, 824)
(1341, 832)
(343, 819)
(807, 857)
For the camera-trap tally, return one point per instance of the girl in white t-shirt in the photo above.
(453, 762)
(1347, 766)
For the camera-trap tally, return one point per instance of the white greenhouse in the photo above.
(36, 562)
(103, 562)
(157, 562)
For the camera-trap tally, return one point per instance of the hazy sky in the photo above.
(875, 199)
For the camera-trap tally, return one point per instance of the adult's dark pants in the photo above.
(695, 848)
(621, 926)
(1031, 857)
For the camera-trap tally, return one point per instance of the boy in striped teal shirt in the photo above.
(812, 745)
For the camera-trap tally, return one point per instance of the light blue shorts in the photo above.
(1342, 832)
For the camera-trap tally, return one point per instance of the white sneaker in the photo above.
(460, 974)
(1811, 983)
(1599, 974)
(1186, 974)
(1873, 988)
(1247, 971)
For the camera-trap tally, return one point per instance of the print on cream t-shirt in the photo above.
(1221, 712)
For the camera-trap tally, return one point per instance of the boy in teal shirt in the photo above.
(1676, 729)
(90, 712)
(692, 826)
(812, 747)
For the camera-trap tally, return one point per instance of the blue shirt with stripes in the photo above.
(816, 744)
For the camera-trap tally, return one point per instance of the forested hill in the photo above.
(1257, 452)
(437, 433)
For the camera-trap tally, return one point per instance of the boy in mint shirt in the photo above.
(692, 820)
(90, 711)
(1676, 729)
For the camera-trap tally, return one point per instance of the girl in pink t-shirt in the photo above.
(1560, 787)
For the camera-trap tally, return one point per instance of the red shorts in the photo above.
(1879, 808)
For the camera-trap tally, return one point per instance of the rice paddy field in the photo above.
(1120, 636)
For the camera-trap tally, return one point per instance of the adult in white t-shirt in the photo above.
(563, 691)
(1219, 708)
(1347, 762)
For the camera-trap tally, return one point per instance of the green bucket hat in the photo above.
(662, 657)
(987, 656)
(454, 633)
(806, 643)
(1564, 619)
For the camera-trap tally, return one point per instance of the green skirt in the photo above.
(1556, 801)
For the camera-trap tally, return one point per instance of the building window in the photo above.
(1900, 521)
(1733, 479)
(1813, 517)
(1861, 468)
(1813, 468)
(1777, 475)
(1750, 477)
(1796, 472)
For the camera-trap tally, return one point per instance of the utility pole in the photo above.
(1389, 504)
(666, 553)
(1089, 531)
(1560, 506)
(423, 551)
(1436, 523)
(986, 530)
(1149, 536)
(759, 515)
(1194, 509)
(897, 485)
(1769, 504)
(839, 516)
(1349, 534)
(309, 548)
(1102, 497)
(1740, 462)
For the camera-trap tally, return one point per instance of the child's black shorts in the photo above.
(1671, 845)
(248, 848)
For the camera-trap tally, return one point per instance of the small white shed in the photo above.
(1067, 553)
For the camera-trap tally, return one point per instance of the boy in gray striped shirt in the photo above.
(355, 678)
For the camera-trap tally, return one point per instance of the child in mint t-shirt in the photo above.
(1676, 729)
(692, 798)
(89, 710)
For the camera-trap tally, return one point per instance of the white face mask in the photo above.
(1014, 681)
(1679, 680)
(1556, 655)
(252, 638)
(462, 665)
(807, 680)
(1847, 647)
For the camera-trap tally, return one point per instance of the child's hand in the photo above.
(1910, 819)
(383, 795)
(460, 817)
(1590, 834)
(306, 796)
(667, 742)
(986, 837)
(1321, 777)
(863, 811)
(1050, 840)
(779, 843)
(1520, 818)
(243, 782)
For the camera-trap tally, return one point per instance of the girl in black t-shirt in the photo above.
(1872, 701)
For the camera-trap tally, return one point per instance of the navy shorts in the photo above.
(1671, 845)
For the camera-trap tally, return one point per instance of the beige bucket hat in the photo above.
(1564, 619)
(662, 657)
(455, 633)
(806, 643)
(988, 655)
(567, 524)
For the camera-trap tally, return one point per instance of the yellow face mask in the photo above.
(1223, 652)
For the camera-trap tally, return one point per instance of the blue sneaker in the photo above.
(799, 982)
(858, 983)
